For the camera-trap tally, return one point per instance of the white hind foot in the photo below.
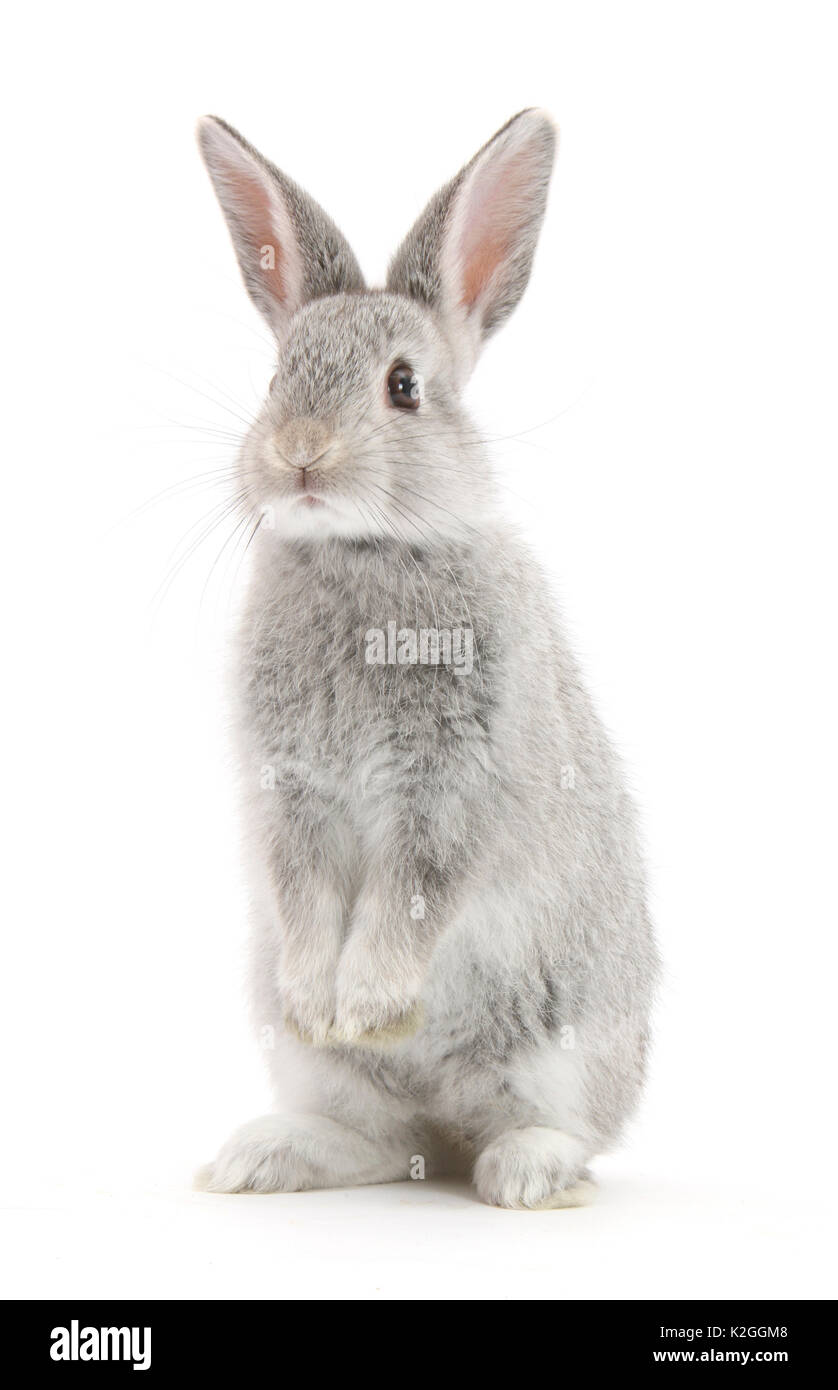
(289, 1153)
(535, 1169)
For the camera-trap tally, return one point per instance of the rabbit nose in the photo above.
(300, 443)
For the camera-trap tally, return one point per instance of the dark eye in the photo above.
(404, 387)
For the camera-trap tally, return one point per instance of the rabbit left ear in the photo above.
(470, 254)
(289, 251)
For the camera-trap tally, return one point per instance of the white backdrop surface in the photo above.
(666, 400)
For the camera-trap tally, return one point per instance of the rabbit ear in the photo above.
(470, 254)
(289, 251)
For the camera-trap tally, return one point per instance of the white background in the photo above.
(667, 397)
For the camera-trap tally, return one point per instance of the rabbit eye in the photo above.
(404, 387)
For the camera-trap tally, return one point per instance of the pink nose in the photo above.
(301, 443)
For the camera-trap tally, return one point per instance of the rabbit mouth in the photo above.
(309, 500)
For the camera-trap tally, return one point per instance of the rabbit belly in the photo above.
(533, 1001)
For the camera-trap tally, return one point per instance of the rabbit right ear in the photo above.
(289, 251)
(470, 254)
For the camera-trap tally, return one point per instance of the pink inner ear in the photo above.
(257, 215)
(495, 214)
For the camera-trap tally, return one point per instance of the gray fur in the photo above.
(415, 268)
(328, 261)
(508, 1020)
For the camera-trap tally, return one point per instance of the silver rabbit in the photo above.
(452, 961)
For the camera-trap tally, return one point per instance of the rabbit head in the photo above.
(363, 433)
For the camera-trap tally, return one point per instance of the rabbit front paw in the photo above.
(309, 1014)
(371, 1011)
(376, 1023)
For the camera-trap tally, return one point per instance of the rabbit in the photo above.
(453, 964)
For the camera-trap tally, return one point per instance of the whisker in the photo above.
(218, 514)
(247, 421)
(432, 503)
(242, 523)
(214, 477)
